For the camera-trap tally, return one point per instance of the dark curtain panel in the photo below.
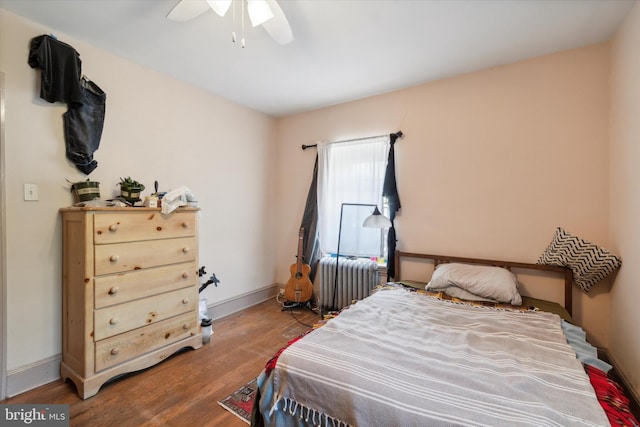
(390, 191)
(311, 246)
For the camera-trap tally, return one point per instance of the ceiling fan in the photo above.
(261, 12)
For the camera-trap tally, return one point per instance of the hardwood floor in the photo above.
(185, 389)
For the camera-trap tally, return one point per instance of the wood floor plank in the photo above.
(184, 390)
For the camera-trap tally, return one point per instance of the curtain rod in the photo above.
(398, 134)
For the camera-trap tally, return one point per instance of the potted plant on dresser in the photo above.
(84, 191)
(130, 189)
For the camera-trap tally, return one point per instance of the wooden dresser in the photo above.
(130, 291)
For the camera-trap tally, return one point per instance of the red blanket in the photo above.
(611, 398)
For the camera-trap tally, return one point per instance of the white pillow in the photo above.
(493, 283)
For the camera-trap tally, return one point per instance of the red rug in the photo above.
(240, 402)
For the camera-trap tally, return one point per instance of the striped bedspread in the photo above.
(400, 358)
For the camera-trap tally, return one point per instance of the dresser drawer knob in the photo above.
(114, 258)
(114, 351)
(114, 290)
(113, 321)
(185, 275)
(185, 225)
(185, 250)
(185, 326)
(185, 300)
(113, 227)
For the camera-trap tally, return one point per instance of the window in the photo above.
(351, 172)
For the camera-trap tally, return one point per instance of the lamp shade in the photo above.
(376, 220)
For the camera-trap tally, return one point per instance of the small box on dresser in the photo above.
(130, 291)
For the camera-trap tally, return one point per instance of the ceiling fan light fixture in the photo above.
(259, 12)
(219, 6)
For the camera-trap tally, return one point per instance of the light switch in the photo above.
(31, 191)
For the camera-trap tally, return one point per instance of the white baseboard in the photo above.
(33, 375)
(47, 370)
(240, 302)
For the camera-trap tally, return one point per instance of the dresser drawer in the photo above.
(144, 225)
(115, 350)
(110, 321)
(122, 287)
(119, 257)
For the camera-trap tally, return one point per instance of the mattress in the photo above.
(402, 357)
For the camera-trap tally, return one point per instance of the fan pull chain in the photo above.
(233, 21)
(242, 40)
(234, 37)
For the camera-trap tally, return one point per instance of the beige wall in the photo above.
(624, 342)
(155, 128)
(492, 162)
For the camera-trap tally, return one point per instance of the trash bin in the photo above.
(207, 330)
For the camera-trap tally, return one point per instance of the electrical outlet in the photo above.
(281, 291)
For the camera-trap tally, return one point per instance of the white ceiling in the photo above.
(343, 49)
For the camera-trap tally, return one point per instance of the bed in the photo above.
(406, 356)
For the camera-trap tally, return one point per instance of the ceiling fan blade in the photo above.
(259, 12)
(278, 27)
(219, 6)
(187, 9)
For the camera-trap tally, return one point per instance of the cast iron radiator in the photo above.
(356, 279)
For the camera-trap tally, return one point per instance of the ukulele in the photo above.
(299, 288)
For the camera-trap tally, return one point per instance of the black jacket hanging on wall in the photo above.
(62, 81)
(61, 69)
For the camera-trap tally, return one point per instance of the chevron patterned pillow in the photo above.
(589, 263)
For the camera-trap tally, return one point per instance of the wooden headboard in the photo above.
(565, 272)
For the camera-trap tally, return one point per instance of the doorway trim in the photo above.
(3, 249)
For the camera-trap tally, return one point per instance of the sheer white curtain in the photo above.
(350, 172)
